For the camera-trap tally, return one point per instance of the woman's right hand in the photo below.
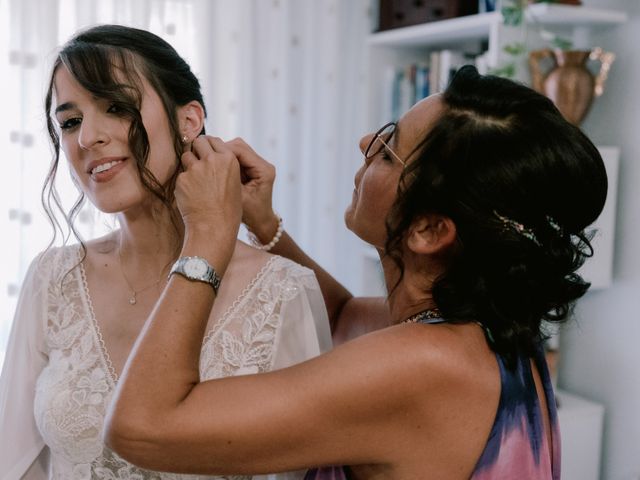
(258, 177)
(208, 195)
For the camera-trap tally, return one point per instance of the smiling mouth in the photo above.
(105, 167)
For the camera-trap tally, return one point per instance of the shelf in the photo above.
(581, 423)
(574, 16)
(576, 406)
(471, 27)
(479, 26)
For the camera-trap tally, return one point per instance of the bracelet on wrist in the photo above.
(268, 246)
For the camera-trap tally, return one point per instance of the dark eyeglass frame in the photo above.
(368, 153)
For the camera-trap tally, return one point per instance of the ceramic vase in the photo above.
(567, 80)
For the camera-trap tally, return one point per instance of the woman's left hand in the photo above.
(208, 191)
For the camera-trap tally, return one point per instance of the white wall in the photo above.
(601, 351)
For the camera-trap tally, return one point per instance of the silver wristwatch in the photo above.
(197, 269)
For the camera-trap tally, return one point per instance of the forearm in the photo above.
(164, 364)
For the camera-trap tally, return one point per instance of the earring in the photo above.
(185, 139)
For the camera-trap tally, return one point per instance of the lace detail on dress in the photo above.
(72, 391)
(75, 388)
(108, 364)
(242, 342)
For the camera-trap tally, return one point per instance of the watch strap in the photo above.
(208, 275)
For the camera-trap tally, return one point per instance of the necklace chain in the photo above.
(134, 293)
(428, 314)
(432, 313)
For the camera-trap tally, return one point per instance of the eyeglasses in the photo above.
(381, 140)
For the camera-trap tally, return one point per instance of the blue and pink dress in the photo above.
(517, 447)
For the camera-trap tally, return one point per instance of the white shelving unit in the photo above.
(580, 420)
(574, 16)
(452, 31)
(480, 26)
(481, 33)
(599, 269)
(485, 33)
(581, 423)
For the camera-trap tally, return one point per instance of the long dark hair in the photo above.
(503, 153)
(109, 61)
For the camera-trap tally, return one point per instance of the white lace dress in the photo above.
(57, 379)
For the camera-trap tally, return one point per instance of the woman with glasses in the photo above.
(477, 200)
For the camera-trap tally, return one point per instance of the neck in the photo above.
(148, 243)
(413, 294)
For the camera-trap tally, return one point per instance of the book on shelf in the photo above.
(408, 84)
(449, 61)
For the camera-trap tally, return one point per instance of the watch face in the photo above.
(194, 267)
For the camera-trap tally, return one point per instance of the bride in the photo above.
(123, 106)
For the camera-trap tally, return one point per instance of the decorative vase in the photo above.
(568, 82)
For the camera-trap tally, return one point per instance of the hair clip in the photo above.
(519, 228)
(553, 224)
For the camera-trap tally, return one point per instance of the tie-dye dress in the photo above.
(517, 447)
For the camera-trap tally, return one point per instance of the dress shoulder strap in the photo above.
(431, 320)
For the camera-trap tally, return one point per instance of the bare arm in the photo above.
(348, 316)
(327, 410)
(322, 411)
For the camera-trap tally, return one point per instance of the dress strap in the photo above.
(431, 320)
(435, 320)
(487, 333)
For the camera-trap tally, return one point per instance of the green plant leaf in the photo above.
(512, 15)
(508, 70)
(515, 49)
(562, 43)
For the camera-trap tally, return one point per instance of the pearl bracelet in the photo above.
(276, 238)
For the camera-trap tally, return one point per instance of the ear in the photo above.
(191, 120)
(431, 234)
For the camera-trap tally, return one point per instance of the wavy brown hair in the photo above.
(109, 61)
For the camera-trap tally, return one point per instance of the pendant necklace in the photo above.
(132, 299)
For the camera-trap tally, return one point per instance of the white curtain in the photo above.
(287, 75)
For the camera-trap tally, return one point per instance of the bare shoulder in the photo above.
(452, 359)
(249, 259)
(245, 256)
(246, 263)
(244, 269)
(101, 250)
(403, 384)
(428, 385)
(103, 245)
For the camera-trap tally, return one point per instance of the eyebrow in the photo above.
(64, 107)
